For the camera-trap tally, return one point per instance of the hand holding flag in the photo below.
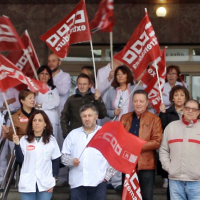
(120, 148)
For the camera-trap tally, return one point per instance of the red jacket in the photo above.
(151, 131)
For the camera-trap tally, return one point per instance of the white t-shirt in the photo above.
(92, 167)
(37, 165)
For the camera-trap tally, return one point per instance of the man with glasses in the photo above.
(179, 154)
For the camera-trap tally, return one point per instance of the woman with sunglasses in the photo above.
(177, 96)
(119, 101)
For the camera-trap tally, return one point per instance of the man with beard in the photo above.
(62, 81)
(89, 170)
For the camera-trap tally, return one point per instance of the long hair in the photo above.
(50, 81)
(47, 132)
(125, 70)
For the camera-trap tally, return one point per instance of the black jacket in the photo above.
(70, 116)
(170, 116)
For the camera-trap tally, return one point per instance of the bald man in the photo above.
(62, 81)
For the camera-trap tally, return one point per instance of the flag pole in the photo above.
(159, 87)
(32, 47)
(4, 97)
(31, 62)
(128, 97)
(95, 75)
(111, 48)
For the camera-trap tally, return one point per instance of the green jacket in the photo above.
(70, 116)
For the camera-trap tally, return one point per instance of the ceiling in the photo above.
(95, 1)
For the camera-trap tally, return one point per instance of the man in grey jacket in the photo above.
(179, 154)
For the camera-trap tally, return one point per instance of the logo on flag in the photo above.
(150, 80)
(9, 38)
(131, 190)
(116, 145)
(104, 17)
(20, 60)
(11, 76)
(141, 49)
(74, 28)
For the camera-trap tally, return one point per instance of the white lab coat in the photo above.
(103, 85)
(62, 81)
(50, 102)
(37, 165)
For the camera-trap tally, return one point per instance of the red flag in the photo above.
(104, 17)
(141, 49)
(9, 38)
(19, 59)
(131, 190)
(74, 28)
(10, 76)
(116, 145)
(153, 89)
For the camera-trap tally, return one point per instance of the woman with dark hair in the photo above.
(172, 79)
(49, 101)
(178, 96)
(21, 117)
(39, 154)
(122, 86)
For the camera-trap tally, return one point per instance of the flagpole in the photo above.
(31, 62)
(158, 81)
(111, 48)
(32, 47)
(95, 75)
(128, 97)
(3, 93)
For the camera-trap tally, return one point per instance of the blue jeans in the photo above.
(36, 195)
(184, 190)
(88, 192)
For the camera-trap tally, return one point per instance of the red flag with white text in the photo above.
(131, 189)
(9, 38)
(19, 59)
(152, 86)
(141, 49)
(74, 28)
(116, 145)
(104, 17)
(11, 76)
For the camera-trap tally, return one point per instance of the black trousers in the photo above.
(91, 193)
(146, 180)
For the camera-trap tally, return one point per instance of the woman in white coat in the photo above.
(39, 154)
(49, 101)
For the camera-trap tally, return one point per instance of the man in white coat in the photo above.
(62, 81)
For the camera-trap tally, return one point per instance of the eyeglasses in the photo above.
(120, 102)
(192, 109)
(172, 74)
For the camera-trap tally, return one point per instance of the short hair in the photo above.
(125, 70)
(50, 81)
(193, 100)
(175, 89)
(141, 92)
(89, 106)
(47, 132)
(90, 71)
(84, 76)
(23, 94)
(170, 68)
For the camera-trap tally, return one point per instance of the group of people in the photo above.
(54, 128)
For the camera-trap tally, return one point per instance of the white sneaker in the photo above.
(165, 184)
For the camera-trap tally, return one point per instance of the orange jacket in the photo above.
(20, 127)
(151, 131)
